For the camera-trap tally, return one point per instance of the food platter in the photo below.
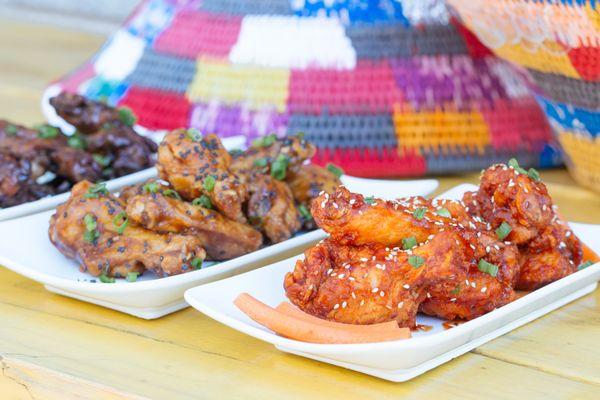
(396, 360)
(152, 297)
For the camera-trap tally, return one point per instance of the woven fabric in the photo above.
(559, 43)
(383, 88)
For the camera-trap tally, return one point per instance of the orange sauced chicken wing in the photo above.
(93, 228)
(197, 166)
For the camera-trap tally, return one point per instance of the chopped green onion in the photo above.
(95, 190)
(409, 242)
(419, 213)
(416, 261)
(304, 212)
(487, 267)
(334, 169)
(279, 167)
(370, 200)
(202, 201)
(456, 290)
(515, 164)
(534, 174)
(103, 161)
(503, 230)
(193, 134)
(236, 152)
(171, 193)
(150, 187)
(209, 183)
(106, 279)
(443, 212)
(76, 141)
(255, 220)
(46, 131)
(11, 130)
(264, 141)
(132, 276)
(261, 162)
(196, 263)
(120, 221)
(126, 116)
(584, 265)
(91, 233)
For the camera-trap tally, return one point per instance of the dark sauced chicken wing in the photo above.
(86, 115)
(271, 208)
(199, 165)
(221, 237)
(89, 228)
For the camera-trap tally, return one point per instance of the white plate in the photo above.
(399, 360)
(152, 297)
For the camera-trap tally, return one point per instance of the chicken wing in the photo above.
(86, 115)
(150, 206)
(198, 165)
(271, 208)
(92, 228)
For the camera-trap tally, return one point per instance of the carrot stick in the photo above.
(291, 310)
(589, 254)
(295, 328)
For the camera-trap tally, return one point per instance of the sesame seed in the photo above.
(353, 295)
(375, 290)
(382, 293)
(400, 304)
(362, 302)
(483, 289)
(344, 304)
(453, 299)
(341, 276)
(406, 286)
(428, 295)
(336, 306)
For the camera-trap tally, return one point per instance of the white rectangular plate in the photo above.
(26, 249)
(399, 360)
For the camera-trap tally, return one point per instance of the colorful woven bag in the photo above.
(383, 88)
(559, 43)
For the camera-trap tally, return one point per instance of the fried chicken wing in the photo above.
(199, 165)
(92, 228)
(222, 238)
(271, 208)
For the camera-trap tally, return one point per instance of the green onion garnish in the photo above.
(127, 116)
(196, 263)
(503, 230)
(409, 242)
(202, 201)
(419, 213)
(150, 187)
(515, 164)
(171, 193)
(534, 174)
(209, 183)
(304, 212)
(334, 169)
(91, 233)
(456, 290)
(487, 267)
(120, 221)
(46, 131)
(106, 279)
(370, 200)
(193, 134)
(261, 162)
(103, 161)
(279, 167)
(76, 141)
(443, 212)
(416, 261)
(132, 276)
(96, 190)
(584, 265)
(264, 141)
(11, 130)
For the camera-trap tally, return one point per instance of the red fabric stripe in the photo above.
(586, 60)
(157, 109)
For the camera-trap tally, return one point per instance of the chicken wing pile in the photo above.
(208, 204)
(389, 260)
(35, 163)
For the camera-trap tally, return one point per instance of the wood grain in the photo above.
(53, 347)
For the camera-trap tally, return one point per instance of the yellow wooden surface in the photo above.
(52, 347)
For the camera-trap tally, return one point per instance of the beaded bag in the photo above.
(559, 43)
(383, 88)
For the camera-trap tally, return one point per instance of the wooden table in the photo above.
(56, 347)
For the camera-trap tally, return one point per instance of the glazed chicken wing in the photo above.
(222, 238)
(198, 165)
(92, 228)
(271, 208)
(86, 115)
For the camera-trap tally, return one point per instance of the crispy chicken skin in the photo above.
(221, 237)
(548, 250)
(186, 160)
(271, 208)
(112, 253)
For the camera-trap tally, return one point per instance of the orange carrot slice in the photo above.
(302, 330)
(589, 254)
(293, 311)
